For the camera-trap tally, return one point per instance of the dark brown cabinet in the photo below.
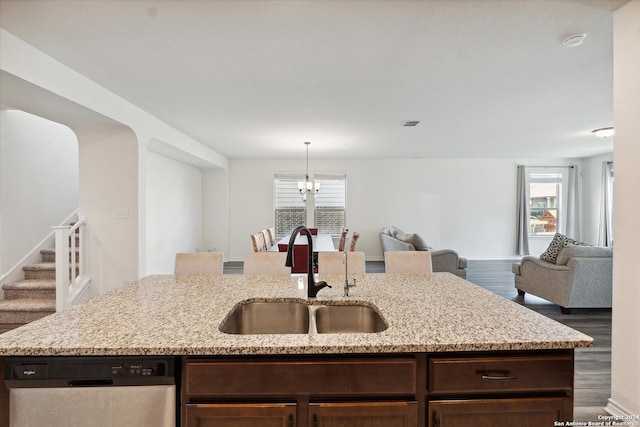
(241, 415)
(527, 390)
(301, 391)
(521, 412)
(373, 414)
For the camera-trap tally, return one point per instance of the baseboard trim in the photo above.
(615, 409)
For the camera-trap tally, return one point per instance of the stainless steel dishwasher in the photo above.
(92, 391)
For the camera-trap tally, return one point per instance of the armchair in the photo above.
(580, 278)
(447, 260)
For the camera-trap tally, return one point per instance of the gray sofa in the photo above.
(580, 278)
(447, 260)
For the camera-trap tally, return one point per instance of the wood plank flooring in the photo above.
(592, 380)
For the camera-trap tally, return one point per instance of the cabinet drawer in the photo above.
(241, 415)
(364, 414)
(259, 378)
(527, 412)
(521, 373)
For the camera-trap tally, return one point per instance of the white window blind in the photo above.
(330, 203)
(289, 208)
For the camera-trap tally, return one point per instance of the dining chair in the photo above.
(300, 258)
(354, 239)
(333, 263)
(198, 263)
(266, 238)
(265, 263)
(272, 236)
(343, 239)
(259, 244)
(418, 262)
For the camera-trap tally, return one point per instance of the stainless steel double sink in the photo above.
(293, 317)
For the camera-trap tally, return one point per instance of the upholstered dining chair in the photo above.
(333, 263)
(418, 262)
(343, 239)
(271, 232)
(267, 239)
(354, 238)
(265, 263)
(259, 244)
(198, 263)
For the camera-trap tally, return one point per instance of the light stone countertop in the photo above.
(165, 315)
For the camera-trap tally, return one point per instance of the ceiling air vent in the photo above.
(411, 123)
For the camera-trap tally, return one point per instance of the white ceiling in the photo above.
(258, 78)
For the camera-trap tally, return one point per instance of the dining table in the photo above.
(321, 242)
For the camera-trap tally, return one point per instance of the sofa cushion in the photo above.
(575, 251)
(386, 231)
(557, 244)
(416, 240)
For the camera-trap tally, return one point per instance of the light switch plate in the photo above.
(122, 213)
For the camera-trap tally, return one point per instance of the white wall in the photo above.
(215, 207)
(463, 204)
(38, 182)
(625, 347)
(113, 135)
(174, 212)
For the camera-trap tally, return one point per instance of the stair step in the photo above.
(49, 255)
(33, 288)
(25, 310)
(41, 270)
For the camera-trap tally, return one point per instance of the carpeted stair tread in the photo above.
(28, 304)
(40, 266)
(40, 284)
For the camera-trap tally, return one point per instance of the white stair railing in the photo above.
(71, 275)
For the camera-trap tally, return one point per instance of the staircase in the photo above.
(31, 298)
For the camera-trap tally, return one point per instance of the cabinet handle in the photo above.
(290, 424)
(315, 421)
(497, 375)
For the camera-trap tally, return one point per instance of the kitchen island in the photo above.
(439, 329)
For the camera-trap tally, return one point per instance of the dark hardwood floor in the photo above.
(592, 380)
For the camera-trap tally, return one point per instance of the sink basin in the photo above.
(335, 319)
(267, 318)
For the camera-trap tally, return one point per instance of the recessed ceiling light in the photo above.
(603, 132)
(574, 40)
(410, 123)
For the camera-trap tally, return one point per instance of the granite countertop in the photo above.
(167, 315)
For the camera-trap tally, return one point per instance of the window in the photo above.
(330, 204)
(290, 209)
(546, 202)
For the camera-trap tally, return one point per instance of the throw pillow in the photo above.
(416, 240)
(557, 244)
(395, 231)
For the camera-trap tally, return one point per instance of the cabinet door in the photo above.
(369, 414)
(526, 412)
(241, 415)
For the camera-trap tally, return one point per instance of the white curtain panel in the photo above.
(522, 212)
(605, 231)
(573, 205)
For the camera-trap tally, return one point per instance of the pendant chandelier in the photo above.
(307, 186)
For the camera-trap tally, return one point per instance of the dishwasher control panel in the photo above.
(89, 371)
